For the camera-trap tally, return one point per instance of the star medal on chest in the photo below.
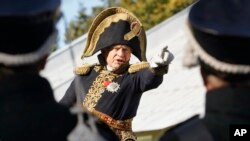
(111, 86)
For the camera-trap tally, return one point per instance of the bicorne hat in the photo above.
(27, 30)
(114, 26)
(220, 34)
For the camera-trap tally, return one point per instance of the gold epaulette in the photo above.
(138, 66)
(84, 69)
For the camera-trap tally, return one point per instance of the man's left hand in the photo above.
(164, 58)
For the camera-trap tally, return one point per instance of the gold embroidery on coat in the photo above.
(96, 89)
(122, 128)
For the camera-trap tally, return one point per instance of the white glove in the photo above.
(164, 58)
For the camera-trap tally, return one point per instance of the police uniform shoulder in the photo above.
(84, 69)
(138, 66)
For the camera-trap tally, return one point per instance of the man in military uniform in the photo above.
(28, 109)
(220, 38)
(112, 89)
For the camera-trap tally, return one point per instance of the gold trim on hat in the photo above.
(135, 31)
(104, 20)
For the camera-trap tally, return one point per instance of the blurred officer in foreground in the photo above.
(220, 38)
(28, 109)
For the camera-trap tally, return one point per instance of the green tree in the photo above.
(110, 3)
(80, 26)
(150, 13)
(77, 27)
(177, 5)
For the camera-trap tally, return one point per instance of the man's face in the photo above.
(118, 55)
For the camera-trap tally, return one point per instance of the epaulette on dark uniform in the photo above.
(138, 66)
(84, 69)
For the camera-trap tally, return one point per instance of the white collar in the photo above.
(110, 68)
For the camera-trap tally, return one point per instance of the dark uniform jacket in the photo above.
(114, 98)
(224, 107)
(28, 111)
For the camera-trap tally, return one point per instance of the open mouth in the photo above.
(119, 61)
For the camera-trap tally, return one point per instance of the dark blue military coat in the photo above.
(114, 98)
